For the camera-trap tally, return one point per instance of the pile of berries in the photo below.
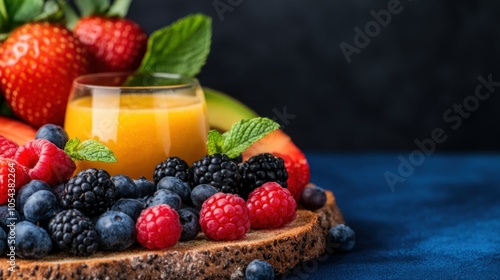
(80, 214)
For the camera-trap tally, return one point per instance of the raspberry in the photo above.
(271, 206)
(45, 161)
(298, 173)
(11, 172)
(260, 169)
(224, 217)
(158, 227)
(8, 147)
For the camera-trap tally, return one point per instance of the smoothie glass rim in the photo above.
(91, 81)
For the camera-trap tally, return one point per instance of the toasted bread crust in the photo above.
(283, 248)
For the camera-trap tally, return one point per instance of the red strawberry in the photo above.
(8, 148)
(45, 161)
(116, 44)
(38, 63)
(298, 173)
(12, 177)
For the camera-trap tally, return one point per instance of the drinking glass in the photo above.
(143, 118)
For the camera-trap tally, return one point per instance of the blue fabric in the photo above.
(442, 222)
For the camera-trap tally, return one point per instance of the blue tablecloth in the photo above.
(439, 219)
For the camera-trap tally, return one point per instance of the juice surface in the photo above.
(141, 129)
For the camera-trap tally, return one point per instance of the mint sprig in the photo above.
(241, 136)
(181, 47)
(91, 150)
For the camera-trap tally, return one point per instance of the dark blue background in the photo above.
(442, 222)
(276, 53)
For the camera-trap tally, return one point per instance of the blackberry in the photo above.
(90, 191)
(173, 166)
(74, 233)
(219, 171)
(260, 169)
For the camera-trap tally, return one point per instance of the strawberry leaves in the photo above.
(14, 13)
(118, 8)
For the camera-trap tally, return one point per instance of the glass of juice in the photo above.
(143, 118)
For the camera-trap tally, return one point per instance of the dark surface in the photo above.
(442, 222)
(277, 53)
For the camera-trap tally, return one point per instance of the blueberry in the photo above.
(176, 185)
(259, 270)
(144, 187)
(3, 241)
(200, 193)
(8, 216)
(40, 206)
(125, 187)
(32, 241)
(193, 210)
(165, 197)
(54, 134)
(27, 190)
(190, 224)
(313, 198)
(116, 230)
(341, 237)
(131, 207)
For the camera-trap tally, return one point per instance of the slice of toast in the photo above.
(283, 248)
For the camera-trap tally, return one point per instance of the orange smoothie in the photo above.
(142, 130)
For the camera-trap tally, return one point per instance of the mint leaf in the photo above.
(241, 136)
(91, 150)
(181, 47)
(71, 146)
(214, 142)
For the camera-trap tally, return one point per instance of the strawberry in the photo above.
(298, 173)
(12, 177)
(280, 144)
(116, 44)
(38, 63)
